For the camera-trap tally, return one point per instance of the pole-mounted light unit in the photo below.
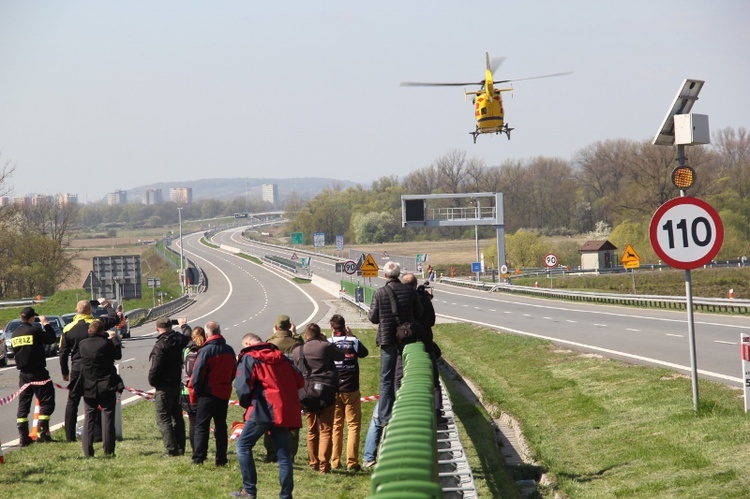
(683, 177)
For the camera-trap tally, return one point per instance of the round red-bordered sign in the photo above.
(686, 232)
(550, 260)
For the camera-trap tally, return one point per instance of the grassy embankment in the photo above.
(601, 428)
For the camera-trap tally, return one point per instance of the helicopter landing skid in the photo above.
(505, 129)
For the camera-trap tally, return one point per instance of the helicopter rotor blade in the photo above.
(495, 63)
(534, 77)
(428, 84)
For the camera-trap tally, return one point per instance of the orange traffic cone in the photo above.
(237, 427)
(731, 293)
(35, 423)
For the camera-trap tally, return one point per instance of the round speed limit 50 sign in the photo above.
(686, 233)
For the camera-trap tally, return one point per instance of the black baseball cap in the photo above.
(29, 312)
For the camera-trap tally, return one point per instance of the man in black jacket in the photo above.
(165, 375)
(73, 334)
(100, 384)
(28, 343)
(383, 313)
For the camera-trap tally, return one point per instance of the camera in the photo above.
(174, 322)
(94, 304)
(37, 319)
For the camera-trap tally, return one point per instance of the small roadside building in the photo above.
(597, 255)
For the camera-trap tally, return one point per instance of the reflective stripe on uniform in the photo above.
(22, 341)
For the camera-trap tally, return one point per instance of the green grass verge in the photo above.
(206, 243)
(601, 428)
(707, 283)
(604, 428)
(252, 258)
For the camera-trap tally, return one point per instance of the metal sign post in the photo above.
(687, 233)
(745, 346)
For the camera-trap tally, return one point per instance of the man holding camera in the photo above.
(73, 334)
(28, 343)
(165, 375)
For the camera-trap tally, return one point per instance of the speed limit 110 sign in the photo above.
(686, 232)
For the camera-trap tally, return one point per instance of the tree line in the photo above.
(615, 184)
(609, 189)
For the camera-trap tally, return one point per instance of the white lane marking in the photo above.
(600, 325)
(633, 330)
(127, 360)
(570, 320)
(493, 310)
(671, 365)
(725, 342)
(316, 308)
(527, 315)
(675, 335)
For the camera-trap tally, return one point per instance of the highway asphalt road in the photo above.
(242, 296)
(639, 335)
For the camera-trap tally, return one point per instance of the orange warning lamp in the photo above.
(683, 177)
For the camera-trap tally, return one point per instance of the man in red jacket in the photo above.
(211, 384)
(268, 386)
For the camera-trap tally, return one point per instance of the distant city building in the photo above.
(270, 193)
(117, 197)
(40, 200)
(22, 201)
(65, 199)
(5, 201)
(181, 195)
(153, 196)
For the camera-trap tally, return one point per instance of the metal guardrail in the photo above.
(729, 305)
(18, 303)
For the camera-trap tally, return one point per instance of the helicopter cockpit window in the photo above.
(484, 110)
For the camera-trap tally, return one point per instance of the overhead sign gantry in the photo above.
(432, 210)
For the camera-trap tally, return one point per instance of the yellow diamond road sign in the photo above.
(369, 267)
(630, 259)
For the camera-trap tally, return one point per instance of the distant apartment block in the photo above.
(22, 201)
(5, 201)
(181, 195)
(65, 199)
(40, 200)
(117, 197)
(270, 193)
(153, 196)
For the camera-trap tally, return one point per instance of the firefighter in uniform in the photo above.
(28, 344)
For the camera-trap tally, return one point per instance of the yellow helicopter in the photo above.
(488, 102)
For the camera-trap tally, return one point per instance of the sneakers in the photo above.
(354, 468)
(242, 493)
(369, 464)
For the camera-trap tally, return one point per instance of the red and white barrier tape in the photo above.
(9, 398)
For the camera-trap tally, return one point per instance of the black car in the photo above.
(52, 350)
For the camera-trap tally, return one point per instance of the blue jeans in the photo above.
(388, 356)
(251, 433)
(372, 440)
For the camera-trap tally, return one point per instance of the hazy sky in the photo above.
(103, 95)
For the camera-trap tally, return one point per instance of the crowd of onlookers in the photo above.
(193, 370)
